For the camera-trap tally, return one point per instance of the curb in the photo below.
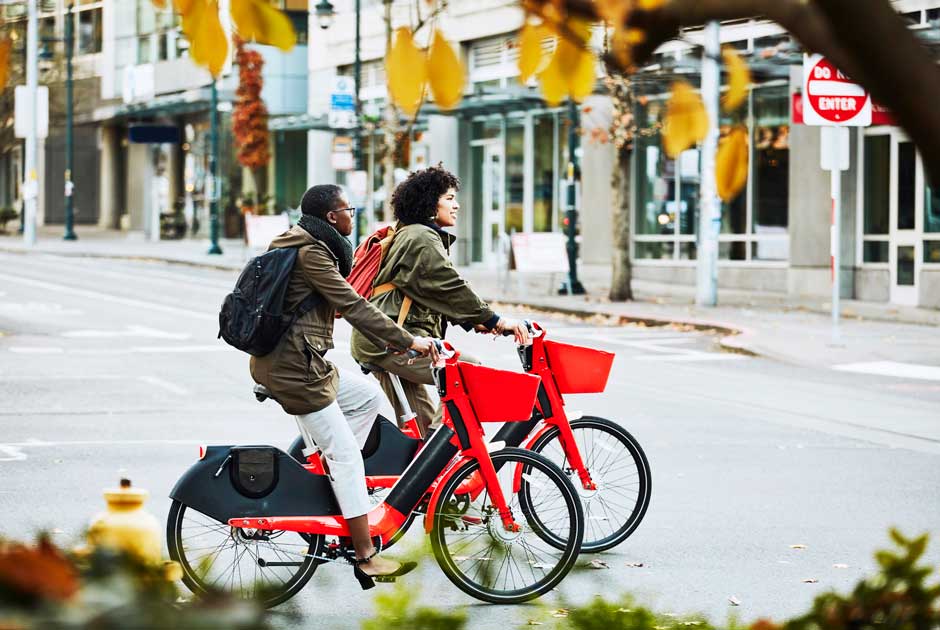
(143, 258)
(732, 339)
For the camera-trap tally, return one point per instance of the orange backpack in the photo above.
(367, 261)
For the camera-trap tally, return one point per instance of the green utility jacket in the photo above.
(296, 372)
(417, 263)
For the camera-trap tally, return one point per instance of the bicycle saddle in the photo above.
(262, 393)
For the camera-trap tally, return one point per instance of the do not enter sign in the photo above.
(831, 98)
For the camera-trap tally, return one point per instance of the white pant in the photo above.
(340, 431)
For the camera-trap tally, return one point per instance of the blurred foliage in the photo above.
(397, 611)
(42, 586)
(898, 597)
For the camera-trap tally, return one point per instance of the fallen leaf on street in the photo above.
(533, 622)
(635, 565)
(560, 613)
(599, 564)
(800, 546)
(810, 580)
(734, 601)
(840, 566)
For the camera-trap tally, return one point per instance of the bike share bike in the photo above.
(253, 521)
(604, 461)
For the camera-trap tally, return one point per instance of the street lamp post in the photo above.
(69, 105)
(213, 169)
(573, 286)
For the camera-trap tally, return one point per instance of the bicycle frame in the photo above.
(462, 432)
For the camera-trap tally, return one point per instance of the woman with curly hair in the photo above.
(418, 281)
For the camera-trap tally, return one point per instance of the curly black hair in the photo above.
(415, 199)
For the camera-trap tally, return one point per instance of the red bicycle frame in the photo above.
(462, 431)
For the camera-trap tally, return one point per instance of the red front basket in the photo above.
(499, 395)
(578, 370)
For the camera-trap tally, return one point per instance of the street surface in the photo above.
(113, 367)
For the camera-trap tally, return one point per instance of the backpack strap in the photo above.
(405, 305)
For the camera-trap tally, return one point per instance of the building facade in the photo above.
(510, 151)
(142, 123)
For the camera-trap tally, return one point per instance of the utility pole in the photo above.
(214, 169)
(709, 224)
(573, 286)
(31, 183)
(69, 106)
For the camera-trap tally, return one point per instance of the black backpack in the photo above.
(252, 317)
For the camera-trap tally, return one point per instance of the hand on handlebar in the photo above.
(424, 346)
(513, 327)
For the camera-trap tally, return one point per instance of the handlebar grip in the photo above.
(412, 354)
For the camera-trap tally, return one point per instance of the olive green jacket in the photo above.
(296, 372)
(417, 263)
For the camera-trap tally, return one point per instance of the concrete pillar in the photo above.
(108, 203)
(319, 168)
(139, 184)
(597, 163)
(443, 143)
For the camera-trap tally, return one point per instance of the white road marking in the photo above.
(167, 385)
(220, 347)
(893, 368)
(129, 331)
(38, 308)
(11, 453)
(107, 297)
(691, 356)
(36, 350)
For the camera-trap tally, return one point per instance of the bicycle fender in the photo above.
(439, 488)
(517, 475)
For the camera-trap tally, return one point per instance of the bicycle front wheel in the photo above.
(480, 556)
(620, 472)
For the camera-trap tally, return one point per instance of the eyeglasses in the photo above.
(350, 209)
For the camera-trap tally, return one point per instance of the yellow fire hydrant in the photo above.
(125, 525)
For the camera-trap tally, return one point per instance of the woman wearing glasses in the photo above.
(417, 266)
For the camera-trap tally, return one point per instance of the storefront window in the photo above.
(515, 175)
(89, 31)
(545, 178)
(876, 201)
(771, 170)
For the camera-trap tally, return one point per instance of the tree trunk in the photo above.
(620, 283)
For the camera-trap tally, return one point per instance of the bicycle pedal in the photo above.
(386, 579)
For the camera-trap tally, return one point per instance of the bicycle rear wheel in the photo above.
(268, 566)
(620, 471)
(494, 565)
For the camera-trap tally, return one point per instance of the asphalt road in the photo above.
(112, 367)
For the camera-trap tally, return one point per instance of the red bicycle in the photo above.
(604, 461)
(253, 521)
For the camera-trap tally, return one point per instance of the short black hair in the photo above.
(320, 199)
(415, 199)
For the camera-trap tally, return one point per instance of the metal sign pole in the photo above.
(706, 292)
(835, 179)
(31, 185)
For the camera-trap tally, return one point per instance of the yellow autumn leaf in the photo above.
(571, 72)
(208, 45)
(649, 5)
(532, 57)
(160, 4)
(731, 164)
(686, 121)
(6, 45)
(613, 11)
(739, 79)
(406, 69)
(446, 74)
(183, 7)
(257, 20)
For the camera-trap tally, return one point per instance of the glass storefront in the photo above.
(515, 167)
(753, 225)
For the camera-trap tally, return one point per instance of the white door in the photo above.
(494, 200)
(907, 184)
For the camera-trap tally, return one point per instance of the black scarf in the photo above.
(327, 234)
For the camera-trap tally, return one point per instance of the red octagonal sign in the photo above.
(831, 98)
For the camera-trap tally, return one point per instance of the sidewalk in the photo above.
(788, 329)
